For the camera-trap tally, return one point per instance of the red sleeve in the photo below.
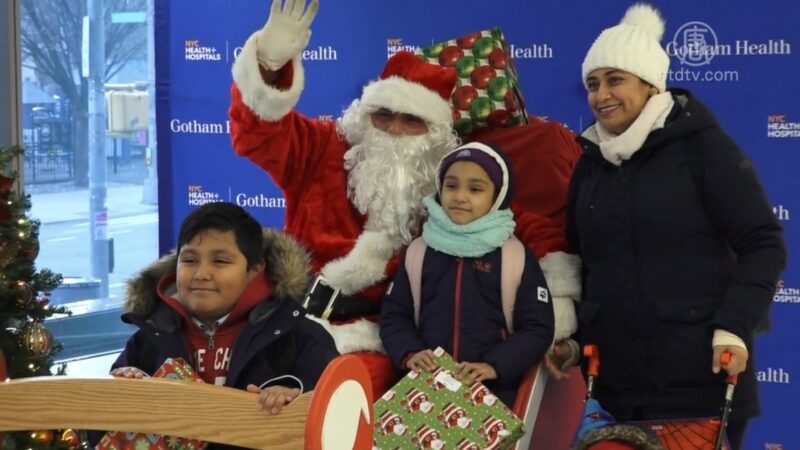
(289, 149)
(542, 155)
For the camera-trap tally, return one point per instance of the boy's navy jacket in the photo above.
(461, 311)
(276, 339)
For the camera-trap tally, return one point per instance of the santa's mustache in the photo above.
(388, 175)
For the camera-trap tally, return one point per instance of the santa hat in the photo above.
(412, 86)
(388, 418)
(493, 161)
(633, 46)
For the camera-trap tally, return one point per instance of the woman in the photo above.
(680, 247)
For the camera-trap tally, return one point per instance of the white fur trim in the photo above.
(264, 100)
(364, 266)
(361, 335)
(566, 322)
(563, 274)
(401, 95)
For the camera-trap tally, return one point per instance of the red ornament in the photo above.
(497, 59)
(481, 76)
(5, 186)
(5, 211)
(463, 96)
(450, 55)
(467, 41)
(3, 372)
(70, 438)
(511, 101)
(498, 118)
(42, 437)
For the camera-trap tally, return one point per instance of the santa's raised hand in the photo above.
(286, 32)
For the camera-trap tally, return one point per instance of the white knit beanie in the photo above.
(633, 46)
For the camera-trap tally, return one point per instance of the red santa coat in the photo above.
(305, 158)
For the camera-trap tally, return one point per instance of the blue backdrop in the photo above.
(749, 78)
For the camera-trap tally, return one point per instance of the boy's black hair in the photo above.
(223, 216)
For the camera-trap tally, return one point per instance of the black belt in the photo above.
(329, 303)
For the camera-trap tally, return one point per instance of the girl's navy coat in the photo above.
(461, 311)
(676, 242)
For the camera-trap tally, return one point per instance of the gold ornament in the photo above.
(70, 438)
(24, 293)
(42, 437)
(36, 339)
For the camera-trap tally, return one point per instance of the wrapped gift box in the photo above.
(436, 411)
(174, 369)
(487, 91)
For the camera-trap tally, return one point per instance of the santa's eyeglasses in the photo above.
(398, 123)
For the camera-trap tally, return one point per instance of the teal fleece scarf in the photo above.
(470, 240)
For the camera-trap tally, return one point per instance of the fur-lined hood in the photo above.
(287, 264)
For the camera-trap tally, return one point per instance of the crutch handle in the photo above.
(591, 351)
(725, 359)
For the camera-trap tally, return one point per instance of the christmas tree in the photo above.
(26, 347)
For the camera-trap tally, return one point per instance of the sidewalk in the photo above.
(70, 203)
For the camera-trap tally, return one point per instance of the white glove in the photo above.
(286, 32)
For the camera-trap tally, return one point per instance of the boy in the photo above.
(227, 302)
(460, 307)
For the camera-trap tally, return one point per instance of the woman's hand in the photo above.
(272, 399)
(737, 363)
(470, 373)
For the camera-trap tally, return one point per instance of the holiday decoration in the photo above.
(25, 343)
(3, 373)
(487, 92)
(43, 298)
(71, 439)
(36, 340)
(24, 293)
(175, 369)
(435, 410)
(42, 437)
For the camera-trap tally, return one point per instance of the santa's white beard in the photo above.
(389, 175)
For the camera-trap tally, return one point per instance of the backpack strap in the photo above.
(415, 254)
(511, 267)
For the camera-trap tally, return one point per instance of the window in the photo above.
(88, 133)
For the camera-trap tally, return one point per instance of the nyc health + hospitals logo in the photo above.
(780, 126)
(194, 50)
(395, 45)
(786, 294)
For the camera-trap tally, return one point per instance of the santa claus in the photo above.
(353, 188)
